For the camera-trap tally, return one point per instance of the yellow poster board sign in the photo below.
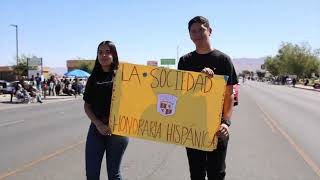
(166, 105)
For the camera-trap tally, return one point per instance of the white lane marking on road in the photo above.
(44, 158)
(295, 146)
(10, 123)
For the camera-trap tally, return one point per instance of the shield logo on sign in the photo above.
(166, 104)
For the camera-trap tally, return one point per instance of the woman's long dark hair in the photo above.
(97, 69)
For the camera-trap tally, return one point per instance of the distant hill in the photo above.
(251, 64)
(240, 64)
(58, 70)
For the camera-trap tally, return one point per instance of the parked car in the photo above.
(236, 94)
(4, 86)
(8, 87)
(288, 81)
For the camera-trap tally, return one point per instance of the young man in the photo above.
(38, 82)
(211, 61)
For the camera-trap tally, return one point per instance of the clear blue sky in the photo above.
(61, 30)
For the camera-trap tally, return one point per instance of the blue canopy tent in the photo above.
(78, 73)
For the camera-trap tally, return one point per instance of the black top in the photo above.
(216, 60)
(98, 94)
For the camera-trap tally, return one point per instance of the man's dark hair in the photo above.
(199, 19)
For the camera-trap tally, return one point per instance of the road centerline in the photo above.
(41, 159)
(11, 123)
(295, 146)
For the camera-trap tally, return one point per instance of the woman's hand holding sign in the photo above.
(103, 129)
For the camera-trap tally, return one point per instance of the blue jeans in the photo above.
(97, 144)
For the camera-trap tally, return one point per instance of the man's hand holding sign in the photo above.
(224, 128)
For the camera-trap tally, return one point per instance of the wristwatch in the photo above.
(226, 122)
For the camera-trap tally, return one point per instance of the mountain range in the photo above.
(58, 70)
(251, 64)
(240, 64)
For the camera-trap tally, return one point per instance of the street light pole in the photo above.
(17, 50)
(178, 53)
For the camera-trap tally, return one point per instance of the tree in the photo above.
(87, 66)
(261, 74)
(292, 59)
(21, 69)
(272, 65)
(246, 73)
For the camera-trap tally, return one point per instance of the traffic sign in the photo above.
(168, 61)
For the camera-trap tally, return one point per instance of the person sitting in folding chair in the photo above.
(35, 94)
(22, 95)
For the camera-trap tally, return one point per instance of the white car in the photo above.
(3, 86)
(289, 81)
(7, 87)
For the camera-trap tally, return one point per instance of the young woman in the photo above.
(97, 99)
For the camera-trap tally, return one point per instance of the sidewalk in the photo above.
(6, 104)
(300, 86)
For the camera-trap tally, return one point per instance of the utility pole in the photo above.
(17, 50)
(178, 53)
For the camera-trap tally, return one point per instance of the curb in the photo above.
(45, 101)
(317, 90)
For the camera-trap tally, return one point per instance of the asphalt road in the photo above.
(275, 131)
(274, 136)
(296, 111)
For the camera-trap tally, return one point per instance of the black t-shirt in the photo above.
(216, 60)
(98, 94)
